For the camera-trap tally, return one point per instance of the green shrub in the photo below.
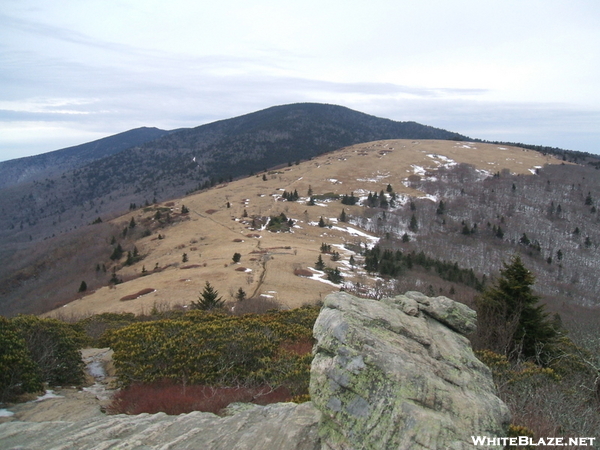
(18, 373)
(54, 348)
(218, 350)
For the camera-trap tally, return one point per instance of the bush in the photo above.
(18, 373)
(176, 399)
(54, 348)
(215, 349)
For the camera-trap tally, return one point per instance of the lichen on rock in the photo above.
(399, 374)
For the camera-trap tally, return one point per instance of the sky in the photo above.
(72, 71)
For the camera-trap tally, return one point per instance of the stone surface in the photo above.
(395, 374)
(272, 427)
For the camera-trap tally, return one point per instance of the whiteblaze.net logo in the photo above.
(485, 441)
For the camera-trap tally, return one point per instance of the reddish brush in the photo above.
(138, 294)
(177, 399)
(299, 347)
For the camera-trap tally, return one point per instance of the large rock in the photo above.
(398, 374)
(272, 427)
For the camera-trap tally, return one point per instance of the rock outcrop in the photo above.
(398, 374)
(389, 374)
(272, 427)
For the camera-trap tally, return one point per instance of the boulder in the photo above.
(398, 373)
(272, 427)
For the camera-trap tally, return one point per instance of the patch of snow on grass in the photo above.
(443, 160)
(377, 179)
(534, 169)
(418, 170)
(6, 413)
(433, 198)
(360, 233)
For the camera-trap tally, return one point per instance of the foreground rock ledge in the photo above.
(389, 374)
(394, 374)
(272, 427)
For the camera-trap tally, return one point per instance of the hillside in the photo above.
(52, 164)
(184, 161)
(277, 264)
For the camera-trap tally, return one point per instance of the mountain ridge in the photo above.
(56, 162)
(186, 160)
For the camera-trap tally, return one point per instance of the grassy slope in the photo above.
(208, 237)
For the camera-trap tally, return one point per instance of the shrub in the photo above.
(54, 348)
(215, 349)
(176, 399)
(18, 373)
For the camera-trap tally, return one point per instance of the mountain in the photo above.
(170, 249)
(48, 245)
(54, 163)
(180, 162)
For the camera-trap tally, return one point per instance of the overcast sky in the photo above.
(72, 71)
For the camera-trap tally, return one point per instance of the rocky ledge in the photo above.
(397, 373)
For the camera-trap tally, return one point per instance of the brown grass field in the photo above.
(215, 232)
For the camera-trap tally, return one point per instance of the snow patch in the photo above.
(418, 170)
(360, 233)
(6, 413)
(49, 394)
(443, 160)
(433, 198)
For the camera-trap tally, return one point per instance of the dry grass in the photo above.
(274, 258)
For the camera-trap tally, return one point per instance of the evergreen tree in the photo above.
(343, 217)
(319, 265)
(524, 240)
(240, 295)
(132, 223)
(236, 257)
(441, 209)
(405, 238)
(334, 275)
(83, 287)
(117, 253)
(184, 209)
(414, 224)
(510, 318)
(499, 233)
(129, 261)
(209, 299)
(322, 222)
(559, 255)
(184, 258)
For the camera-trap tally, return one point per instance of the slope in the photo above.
(187, 160)
(233, 217)
(48, 165)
